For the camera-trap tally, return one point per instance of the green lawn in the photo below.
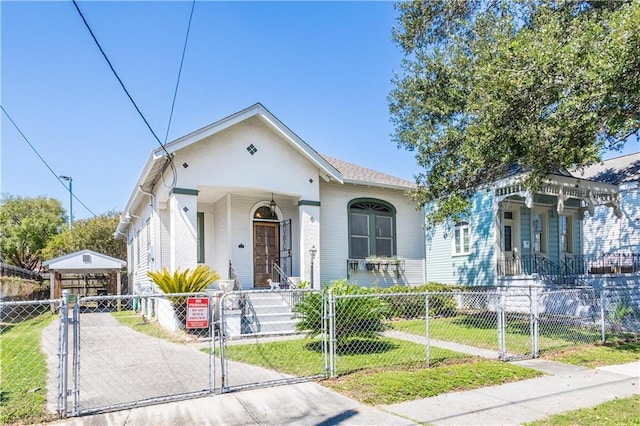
(23, 372)
(480, 330)
(304, 357)
(593, 356)
(619, 412)
(382, 371)
(389, 387)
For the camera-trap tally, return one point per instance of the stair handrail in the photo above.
(277, 274)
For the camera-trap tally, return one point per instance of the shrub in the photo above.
(410, 303)
(355, 316)
(183, 282)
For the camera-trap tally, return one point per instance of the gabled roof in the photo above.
(157, 161)
(625, 168)
(85, 260)
(352, 173)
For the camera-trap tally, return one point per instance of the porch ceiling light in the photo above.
(272, 204)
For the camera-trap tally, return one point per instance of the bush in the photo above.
(410, 301)
(355, 316)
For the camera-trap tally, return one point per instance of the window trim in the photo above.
(569, 234)
(372, 225)
(544, 233)
(461, 226)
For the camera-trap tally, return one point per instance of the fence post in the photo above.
(332, 334)
(76, 358)
(603, 331)
(533, 300)
(502, 346)
(325, 338)
(63, 349)
(426, 325)
(212, 344)
(223, 337)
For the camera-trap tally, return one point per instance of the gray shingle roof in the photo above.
(353, 172)
(625, 168)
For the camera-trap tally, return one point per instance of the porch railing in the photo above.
(571, 267)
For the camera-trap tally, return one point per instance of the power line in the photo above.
(44, 161)
(104, 55)
(184, 49)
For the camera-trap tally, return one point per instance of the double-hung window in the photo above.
(462, 239)
(566, 239)
(371, 229)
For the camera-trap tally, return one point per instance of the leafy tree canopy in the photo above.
(486, 86)
(94, 234)
(26, 226)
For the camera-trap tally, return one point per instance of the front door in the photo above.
(265, 252)
(510, 243)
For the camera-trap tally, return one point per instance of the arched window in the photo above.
(372, 228)
(265, 213)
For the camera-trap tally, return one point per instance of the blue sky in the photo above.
(323, 68)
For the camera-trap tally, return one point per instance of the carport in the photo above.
(85, 262)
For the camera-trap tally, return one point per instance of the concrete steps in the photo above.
(265, 313)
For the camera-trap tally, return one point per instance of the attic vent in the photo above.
(86, 258)
(252, 149)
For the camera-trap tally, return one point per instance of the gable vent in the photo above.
(252, 149)
(86, 258)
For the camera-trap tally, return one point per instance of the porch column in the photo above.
(498, 255)
(309, 217)
(184, 236)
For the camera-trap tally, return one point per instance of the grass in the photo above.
(592, 356)
(618, 412)
(382, 371)
(151, 328)
(480, 330)
(23, 382)
(304, 357)
(389, 387)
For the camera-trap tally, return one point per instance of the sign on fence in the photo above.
(197, 312)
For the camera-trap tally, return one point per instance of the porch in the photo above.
(572, 270)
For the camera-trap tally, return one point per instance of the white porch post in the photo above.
(309, 217)
(184, 235)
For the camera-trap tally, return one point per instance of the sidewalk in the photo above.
(565, 388)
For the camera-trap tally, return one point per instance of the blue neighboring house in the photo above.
(515, 236)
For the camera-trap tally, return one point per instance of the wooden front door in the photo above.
(265, 252)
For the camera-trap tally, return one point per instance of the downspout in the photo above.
(151, 222)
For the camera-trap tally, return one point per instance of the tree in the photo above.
(94, 234)
(26, 226)
(531, 85)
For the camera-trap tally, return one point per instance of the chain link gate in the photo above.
(136, 350)
(263, 332)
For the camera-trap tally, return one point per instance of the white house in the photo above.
(246, 191)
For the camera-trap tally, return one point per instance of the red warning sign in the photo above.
(197, 312)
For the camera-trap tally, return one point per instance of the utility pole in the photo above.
(70, 180)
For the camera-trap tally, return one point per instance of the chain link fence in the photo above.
(263, 337)
(101, 353)
(372, 331)
(29, 355)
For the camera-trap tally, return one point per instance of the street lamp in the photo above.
(70, 180)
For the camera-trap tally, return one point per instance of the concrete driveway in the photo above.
(119, 366)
